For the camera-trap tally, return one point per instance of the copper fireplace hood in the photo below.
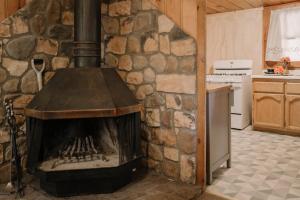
(83, 93)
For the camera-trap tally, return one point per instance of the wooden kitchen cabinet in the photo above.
(268, 110)
(292, 112)
(276, 106)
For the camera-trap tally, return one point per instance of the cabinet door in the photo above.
(292, 113)
(268, 110)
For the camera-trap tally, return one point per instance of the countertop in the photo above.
(288, 77)
(215, 87)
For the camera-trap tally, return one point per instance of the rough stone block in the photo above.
(4, 30)
(134, 44)
(176, 83)
(189, 102)
(15, 67)
(1, 154)
(47, 46)
(164, 44)
(143, 22)
(139, 62)
(68, 18)
(184, 120)
(117, 45)
(60, 62)
(5, 175)
(29, 83)
(188, 169)
(173, 101)
(187, 64)
(126, 25)
(153, 117)
(4, 136)
(135, 78)
(185, 47)
(172, 64)
(154, 165)
(60, 32)
(155, 152)
(111, 60)
(166, 137)
(154, 100)
(167, 118)
(165, 25)
(149, 75)
(144, 91)
(11, 85)
(170, 169)
(158, 62)
(171, 153)
(151, 43)
(110, 25)
(21, 47)
(147, 5)
(187, 141)
(125, 63)
(20, 25)
(38, 24)
(119, 8)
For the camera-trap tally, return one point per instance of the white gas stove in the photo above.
(238, 74)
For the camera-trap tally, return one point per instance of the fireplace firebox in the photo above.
(83, 127)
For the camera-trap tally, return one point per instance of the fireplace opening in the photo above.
(87, 143)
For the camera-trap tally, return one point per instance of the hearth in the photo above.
(83, 127)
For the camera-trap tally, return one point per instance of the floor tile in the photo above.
(265, 166)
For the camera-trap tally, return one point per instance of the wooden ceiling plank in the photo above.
(241, 4)
(210, 10)
(277, 2)
(212, 5)
(256, 3)
(228, 5)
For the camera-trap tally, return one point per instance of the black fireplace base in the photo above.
(89, 181)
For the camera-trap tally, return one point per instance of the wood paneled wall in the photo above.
(182, 12)
(235, 35)
(8, 7)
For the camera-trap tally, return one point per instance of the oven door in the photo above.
(236, 98)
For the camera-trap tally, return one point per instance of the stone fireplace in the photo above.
(83, 127)
(150, 53)
(85, 134)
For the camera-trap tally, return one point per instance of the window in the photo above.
(284, 35)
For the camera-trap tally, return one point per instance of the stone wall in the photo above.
(152, 55)
(158, 62)
(44, 28)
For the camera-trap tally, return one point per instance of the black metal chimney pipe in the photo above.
(87, 49)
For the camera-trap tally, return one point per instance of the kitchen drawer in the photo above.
(268, 87)
(293, 88)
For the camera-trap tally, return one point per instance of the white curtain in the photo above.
(284, 35)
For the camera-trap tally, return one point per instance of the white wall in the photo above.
(235, 35)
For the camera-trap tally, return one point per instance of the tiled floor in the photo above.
(264, 167)
(149, 187)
